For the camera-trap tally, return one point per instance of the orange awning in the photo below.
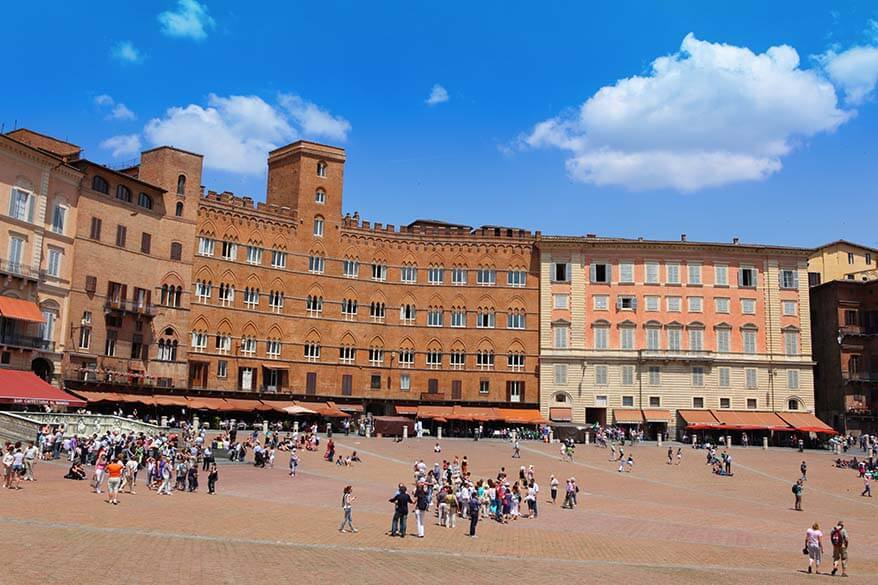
(698, 417)
(627, 416)
(166, 400)
(20, 309)
(806, 422)
(561, 414)
(140, 398)
(656, 415)
(94, 397)
(526, 416)
(406, 410)
(242, 405)
(280, 405)
(207, 403)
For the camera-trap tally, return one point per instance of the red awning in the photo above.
(19, 387)
(806, 422)
(20, 309)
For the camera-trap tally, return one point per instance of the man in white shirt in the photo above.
(30, 459)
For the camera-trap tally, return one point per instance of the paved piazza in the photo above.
(663, 524)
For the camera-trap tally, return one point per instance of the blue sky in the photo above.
(758, 120)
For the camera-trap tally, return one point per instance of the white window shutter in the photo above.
(795, 279)
(591, 272)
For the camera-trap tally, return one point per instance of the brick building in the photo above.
(664, 334)
(845, 324)
(292, 296)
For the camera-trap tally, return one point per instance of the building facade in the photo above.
(39, 191)
(634, 331)
(291, 296)
(845, 322)
(842, 260)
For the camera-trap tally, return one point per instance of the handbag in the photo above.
(805, 550)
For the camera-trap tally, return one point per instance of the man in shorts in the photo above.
(839, 538)
(114, 481)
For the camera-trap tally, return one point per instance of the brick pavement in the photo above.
(662, 523)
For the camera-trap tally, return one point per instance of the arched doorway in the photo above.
(43, 368)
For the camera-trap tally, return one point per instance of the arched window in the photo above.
(318, 226)
(123, 193)
(321, 169)
(100, 184)
(176, 251)
(164, 294)
(144, 200)
(181, 185)
(320, 197)
(179, 210)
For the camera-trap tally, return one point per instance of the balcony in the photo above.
(864, 377)
(27, 342)
(132, 307)
(677, 355)
(18, 269)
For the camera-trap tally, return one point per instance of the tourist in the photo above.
(212, 477)
(679, 455)
(629, 464)
(114, 481)
(422, 503)
(670, 455)
(867, 484)
(30, 459)
(569, 494)
(516, 450)
(100, 467)
(533, 492)
(553, 489)
(294, 462)
(347, 502)
(76, 472)
(474, 507)
(804, 469)
(798, 488)
(130, 476)
(839, 539)
(164, 473)
(192, 476)
(814, 547)
(401, 502)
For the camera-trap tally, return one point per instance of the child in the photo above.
(630, 463)
(294, 462)
(437, 448)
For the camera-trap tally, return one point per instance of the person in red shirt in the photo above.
(114, 481)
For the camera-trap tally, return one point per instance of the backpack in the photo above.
(835, 537)
(795, 488)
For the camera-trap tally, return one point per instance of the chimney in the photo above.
(682, 237)
(736, 241)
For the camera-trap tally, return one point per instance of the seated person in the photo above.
(76, 471)
(355, 458)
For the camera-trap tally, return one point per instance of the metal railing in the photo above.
(135, 307)
(677, 354)
(30, 341)
(860, 376)
(18, 269)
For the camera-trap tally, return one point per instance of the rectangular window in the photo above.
(655, 375)
(316, 264)
(458, 318)
(20, 204)
(793, 379)
(515, 362)
(722, 305)
(600, 273)
(121, 235)
(626, 273)
(697, 402)
(223, 343)
(627, 401)
(254, 255)
(601, 377)
(379, 272)
(516, 278)
(350, 268)
(434, 360)
(673, 272)
(561, 334)
(312, 352)
(652, 338)
(850, 257)
(652, 273)
(789, 279)
(601, 337)
(405, 382)
(408, 274)
(458, 360)
(406, 358)
(272, 348)
(721, 274)
(747, 277)
(486, 277)
(205, 246)
(53, 267)
(560, 272)
(278, 259)
(675, 304)
(750, 375)
(561, 301)
(725, 402)
(626, 337)
(695, 304)
(145, 242)
(723, 340)
(485, 320)
(748, 306)
(627, 375)
(601, 400)
(458, 276)
(434, 318)
(752, 403)
(110, 344)
(484, 386)
(696, 339)
(674, 334)
(698, 376)
(515, 320)
(652, 302)
(749, 337)
(58, 216)
(348, 355)
(95, 233)
(456, 389)
(626, 303)
(376, 356)
(868, 259)
(222, 369)
(791, 342)
(789, 307)
(435, 275)
(725, 378)
(560, 371)
(655, 401)
(601, 302)
(694, 273)
(375, 382)
(229, 251)
(84, 337)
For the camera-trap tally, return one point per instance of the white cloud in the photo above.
(119, 110)
(854, 71)
(122, 145)
(190, 21)
(438, 95)
(313, 120)
(126, 52)
(710, 114)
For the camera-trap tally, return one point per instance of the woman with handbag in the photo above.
(814, 547)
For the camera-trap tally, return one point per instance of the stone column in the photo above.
(295, 426)
(694, 439)
(765, 442)
(728, 441)
(439, 433)
(264, 427)
(405, 431)
(659, 440)
(551, 435)
(587, 438)
(196, 424)
(164, 421)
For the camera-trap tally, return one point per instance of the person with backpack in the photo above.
(798, 488)
(839, 538)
